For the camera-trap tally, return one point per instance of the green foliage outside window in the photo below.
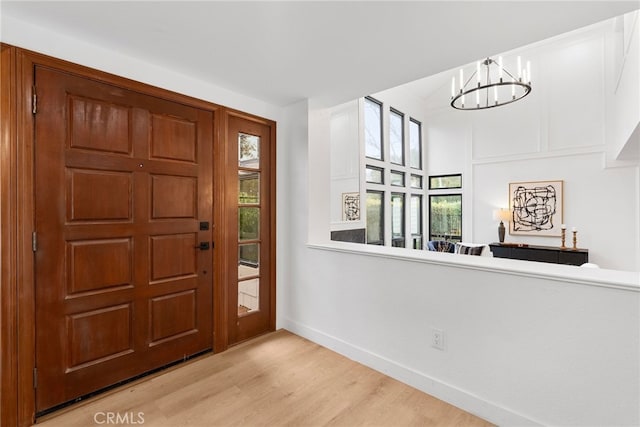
(249, 191)
(445, 217)
(445, 181)
(375, 218)
(249, 221)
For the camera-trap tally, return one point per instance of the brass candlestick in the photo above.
(575, 240)
(564, 236)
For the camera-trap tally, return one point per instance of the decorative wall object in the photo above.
(350, 206)
(536, 208)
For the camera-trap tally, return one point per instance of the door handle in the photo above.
(203, 246)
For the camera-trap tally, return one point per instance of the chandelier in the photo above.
(490, 85)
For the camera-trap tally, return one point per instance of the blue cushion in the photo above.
(440, 246)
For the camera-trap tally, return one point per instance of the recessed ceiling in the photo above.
(282, 52)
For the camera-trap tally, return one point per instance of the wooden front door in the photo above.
(251, 228)
(123, 185)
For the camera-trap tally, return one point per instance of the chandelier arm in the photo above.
(468, 80)
(510, 75)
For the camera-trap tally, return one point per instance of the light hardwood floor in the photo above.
(279, 379)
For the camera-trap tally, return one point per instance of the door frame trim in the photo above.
(8, 237)
(17, 286)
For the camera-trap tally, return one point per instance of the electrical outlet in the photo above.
(437, 338)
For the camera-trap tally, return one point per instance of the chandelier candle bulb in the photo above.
(495, 95)
(519, 68)
(529, 71)
(478, 72)
(500, 68)
(461, 82)
(453, 87)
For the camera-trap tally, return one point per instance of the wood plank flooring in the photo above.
(279, 379)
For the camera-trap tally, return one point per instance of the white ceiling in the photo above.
(282, 52)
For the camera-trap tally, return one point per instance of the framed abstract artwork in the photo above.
(350, 206)
(536, 208)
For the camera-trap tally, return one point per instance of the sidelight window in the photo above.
(249, 215)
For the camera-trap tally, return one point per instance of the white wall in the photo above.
(623, 68)
(600, 203)
(292, 205)
(345, 161)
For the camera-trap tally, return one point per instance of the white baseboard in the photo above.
(464, 400)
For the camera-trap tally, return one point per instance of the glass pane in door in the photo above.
(248, 260)
(248, 223)
(248, 187)
(248, 296)
(249, 151)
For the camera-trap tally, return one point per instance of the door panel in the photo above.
(250, 228)
(173, 139)
(123, 180)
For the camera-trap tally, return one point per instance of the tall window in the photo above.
(373, 128)
(397, 220)
(393, 176)
(416, 221)
(396, 137)
(375, 217)
(415, 145)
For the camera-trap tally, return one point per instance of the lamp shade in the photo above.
(502, 215)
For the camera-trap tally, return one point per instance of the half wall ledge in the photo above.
(616, 279)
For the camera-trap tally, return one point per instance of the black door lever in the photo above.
(204, 246)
